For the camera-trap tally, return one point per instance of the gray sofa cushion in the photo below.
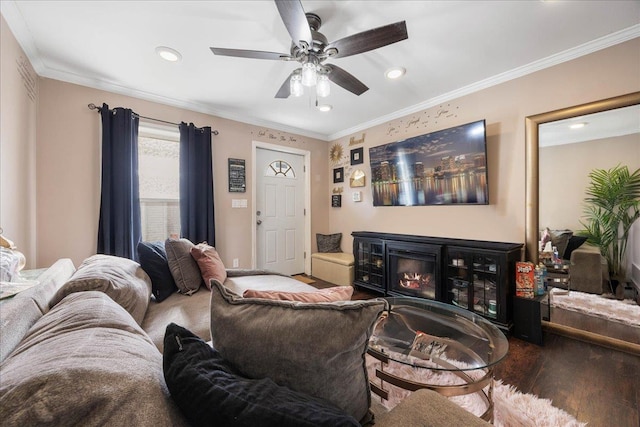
(314, 348)
(86, 363)
(183, 266)
(16, 317)
(120, 278)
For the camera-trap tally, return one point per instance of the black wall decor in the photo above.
(336, 200)
(237, 176)
(338, 175)
(357, 156)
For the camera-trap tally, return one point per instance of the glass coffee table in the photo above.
(441, 338)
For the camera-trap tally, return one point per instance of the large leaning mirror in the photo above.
(562, 147)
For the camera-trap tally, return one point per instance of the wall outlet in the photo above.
(235, 263)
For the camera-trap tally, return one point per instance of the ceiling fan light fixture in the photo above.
(395, 73)
(323, 88)
(295, 85)
(309, 74)
(168, 54)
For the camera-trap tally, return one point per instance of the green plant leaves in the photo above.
(612, 206)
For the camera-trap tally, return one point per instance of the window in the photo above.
(159, 175)
(280, 168)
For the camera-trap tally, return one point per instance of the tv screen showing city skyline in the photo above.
(446, 167)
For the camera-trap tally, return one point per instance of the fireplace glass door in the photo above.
(414, 272)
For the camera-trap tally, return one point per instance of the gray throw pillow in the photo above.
(120, 278)
(560, 239)
(183, 266)
(329, 242)
(313, 348)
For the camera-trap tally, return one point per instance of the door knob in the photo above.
(259, 222)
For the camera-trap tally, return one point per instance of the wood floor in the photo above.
(596, 385)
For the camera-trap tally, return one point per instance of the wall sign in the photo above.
(237, 176)
(336, 200)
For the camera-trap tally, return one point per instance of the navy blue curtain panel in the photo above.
(119, 227)
(196, 184)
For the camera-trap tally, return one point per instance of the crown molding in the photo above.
(567, 55)
(19, 28)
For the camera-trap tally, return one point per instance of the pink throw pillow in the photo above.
(337, 293)
(209, 262)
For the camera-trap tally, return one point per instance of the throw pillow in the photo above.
(210, 391)
(336, 293)
(209, 262)
(329, 242)
(120, 278)
(153, 260)
(184, 269)
(316, 349)
(560, 239)
(86, 363)
(574, 243)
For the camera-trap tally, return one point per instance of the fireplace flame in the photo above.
(415, 280)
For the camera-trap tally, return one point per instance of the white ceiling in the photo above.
(454, 48)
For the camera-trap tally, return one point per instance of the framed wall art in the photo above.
(357, 156)
(338, 175)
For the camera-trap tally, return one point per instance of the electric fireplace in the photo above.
(414, 270)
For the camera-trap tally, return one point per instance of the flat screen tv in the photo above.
(448, 167)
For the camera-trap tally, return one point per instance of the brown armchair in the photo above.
(589, 270)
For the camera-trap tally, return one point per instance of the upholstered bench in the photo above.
(333, 267)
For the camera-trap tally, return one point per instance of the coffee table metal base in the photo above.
(469, 386)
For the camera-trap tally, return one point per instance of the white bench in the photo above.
(333, 267)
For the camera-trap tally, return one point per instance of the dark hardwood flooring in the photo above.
(595, 384)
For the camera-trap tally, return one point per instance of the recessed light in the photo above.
(395, 73)
(168, 54)
(325, 107)
(577, 125)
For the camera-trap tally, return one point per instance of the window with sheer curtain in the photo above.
(159, 175)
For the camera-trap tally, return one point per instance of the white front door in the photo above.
(280, 206)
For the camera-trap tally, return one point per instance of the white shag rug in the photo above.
(511, 407)
(624, 311)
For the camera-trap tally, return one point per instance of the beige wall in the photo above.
(18, 106)
(606, 73)
(66, 184)
(564, 176)
(68, 178)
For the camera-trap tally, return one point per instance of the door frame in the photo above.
(307, 199)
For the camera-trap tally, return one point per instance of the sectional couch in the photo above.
(85, 347)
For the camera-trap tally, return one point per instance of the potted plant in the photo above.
(612, 206)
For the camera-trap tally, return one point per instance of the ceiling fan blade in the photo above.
(346, 80)
(256, 54)
(295, 20)
(369, 40)
(285, 89)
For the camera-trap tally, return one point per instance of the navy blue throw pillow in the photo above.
(209, 391)
(153, 260)
(574, 243)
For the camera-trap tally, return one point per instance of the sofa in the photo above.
(85, 347)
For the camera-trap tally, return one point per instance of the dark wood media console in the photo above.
(476, 275)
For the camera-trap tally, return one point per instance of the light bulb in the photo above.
(323, 88)
(309, 75)
(295, 85)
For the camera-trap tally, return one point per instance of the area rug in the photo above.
(623, 311)
(304, 279)
(511, 407)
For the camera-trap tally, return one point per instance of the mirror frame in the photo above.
(532, 158)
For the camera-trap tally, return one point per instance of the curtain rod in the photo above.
(93, 106)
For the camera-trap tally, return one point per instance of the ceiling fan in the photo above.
(311, 49)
